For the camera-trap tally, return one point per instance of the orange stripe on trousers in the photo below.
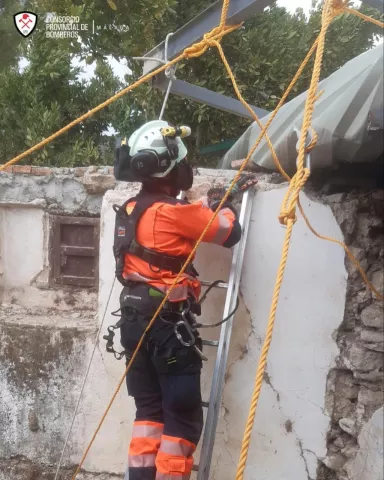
(174, 460)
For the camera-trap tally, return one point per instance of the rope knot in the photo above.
(339, 6)
(210, 39)
(287, 215)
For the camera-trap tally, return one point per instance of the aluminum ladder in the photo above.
(223, 343)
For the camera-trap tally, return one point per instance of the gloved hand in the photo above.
(243, 184)
(216, 194)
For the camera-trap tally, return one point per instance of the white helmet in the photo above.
(150, 137)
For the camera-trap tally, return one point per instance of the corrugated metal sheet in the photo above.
(348, 119)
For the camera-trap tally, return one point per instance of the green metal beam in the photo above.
(217, 147)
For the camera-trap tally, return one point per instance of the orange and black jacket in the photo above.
(172, 228)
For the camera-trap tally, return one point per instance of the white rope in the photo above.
(170, 73)
(84, 382)
(151, 59)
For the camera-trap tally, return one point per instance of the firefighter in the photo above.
(154, 234)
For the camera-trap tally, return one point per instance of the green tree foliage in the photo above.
(9, 39)
(264, 54)
(46, 96)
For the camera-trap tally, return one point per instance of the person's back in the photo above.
(154, 234)
(172, 227)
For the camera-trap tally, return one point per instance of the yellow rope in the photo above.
(288, 218)
(194, 51)
(224, 14)
(363, 16)
(263, 133)
(288, 211)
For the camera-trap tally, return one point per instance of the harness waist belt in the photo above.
(160, 261)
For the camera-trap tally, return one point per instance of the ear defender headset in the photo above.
(148, 163)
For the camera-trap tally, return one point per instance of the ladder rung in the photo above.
(195, 468)
(205, 404)
(211, 343)
(206, 283)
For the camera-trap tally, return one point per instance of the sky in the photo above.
(291, 5)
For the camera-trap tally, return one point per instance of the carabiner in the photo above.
(109, 347)
(186, 325)
(187, 316)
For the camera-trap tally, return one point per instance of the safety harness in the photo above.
(126, 242)
(141, 299)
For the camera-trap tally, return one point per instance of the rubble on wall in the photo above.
(22, 467)
(355, 389)
(60, 190)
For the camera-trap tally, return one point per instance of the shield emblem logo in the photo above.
(25, 22)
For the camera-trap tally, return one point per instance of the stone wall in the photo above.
(355, 393)
(72, 191)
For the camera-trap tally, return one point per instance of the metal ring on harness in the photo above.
(109, 347)
(185, 323)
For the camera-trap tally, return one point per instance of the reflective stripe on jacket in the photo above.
(173, 229)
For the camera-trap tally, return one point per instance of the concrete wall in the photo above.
(46, 331)
(294, 434)
(28, 195)
(292, 422)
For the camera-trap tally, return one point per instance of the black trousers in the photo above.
(164, 381)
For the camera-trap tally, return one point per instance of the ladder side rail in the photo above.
(224, 342)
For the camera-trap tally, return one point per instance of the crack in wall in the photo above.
(302, 451)
(268, 381)
(102, 357)
(289, 427)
